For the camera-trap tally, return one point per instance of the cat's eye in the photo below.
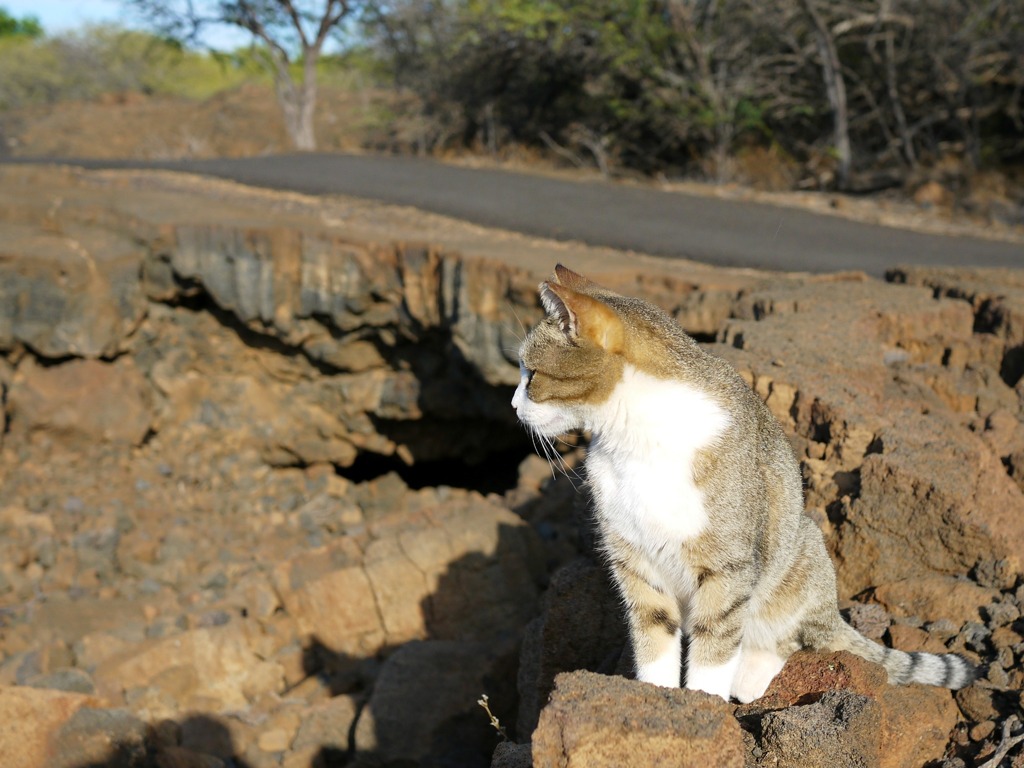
(529, 375)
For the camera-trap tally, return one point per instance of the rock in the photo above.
(861, 715)
(30, 718)
(980, 703)
(876, 402)
(840, 729)
(917, 721)
(596, 721)
(289, 283)
(424, 574)
(211, 735)
(932, 598)
(71, 295)
(111, 737)
(64, 679)
(213, 667)
(81, 401)
(580, 627)
(870, 619)
(275, 351)
(806, 676)
(423, 705)
(274, 740)
(508, 754)
(327, 724)
(909, 492)
(913, 639)
(336, 606)
(177, 757)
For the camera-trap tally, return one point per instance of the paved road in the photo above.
(672, 224)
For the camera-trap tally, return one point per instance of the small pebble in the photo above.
(997, 675)
(945, 628)
(976, 636)
(982, 731)
(1005, 658)
(1000, 614)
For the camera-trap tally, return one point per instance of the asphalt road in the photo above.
(671, 224)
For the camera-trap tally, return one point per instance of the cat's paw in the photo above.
(756, 671)
(716, 680)
(664, 671)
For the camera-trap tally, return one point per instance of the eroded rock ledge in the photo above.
(231, 420)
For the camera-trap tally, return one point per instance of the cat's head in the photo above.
(571, 362)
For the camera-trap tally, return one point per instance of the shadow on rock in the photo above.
(424, 707)
(197, 741)
(409, 703)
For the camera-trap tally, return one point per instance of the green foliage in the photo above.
(27, 27)
(623, 78)
(104, 59)
(661, 85)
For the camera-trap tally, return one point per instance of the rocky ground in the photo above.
(263, 501)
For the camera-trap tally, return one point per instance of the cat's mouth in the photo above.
(542, 419)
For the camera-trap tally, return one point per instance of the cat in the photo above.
(698, 499)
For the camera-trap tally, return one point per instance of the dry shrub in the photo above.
(766, 168)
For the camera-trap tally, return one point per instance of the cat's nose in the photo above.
(517, 398)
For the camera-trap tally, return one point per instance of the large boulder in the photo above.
(900, 485)
(838, 704)
(606, 722)
(81, 401)
(581, 626)
(74, 292)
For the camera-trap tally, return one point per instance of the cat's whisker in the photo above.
(540, 450)
(562, 466)
(518, 320)
(547, 455)
(568, 445)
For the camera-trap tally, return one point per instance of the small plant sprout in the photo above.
(484, 702)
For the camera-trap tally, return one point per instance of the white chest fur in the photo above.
(641, 461)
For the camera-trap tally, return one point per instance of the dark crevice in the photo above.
(49, 361)
(496, 473)
(148, 437)
(194, 298)
(703, 338)
(1012, 368)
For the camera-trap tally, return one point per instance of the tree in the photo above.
(857, 94)
(835, 87)
(28, 27)
(293, 34)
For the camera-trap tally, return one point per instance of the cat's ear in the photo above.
(583, 317)
(565, 276)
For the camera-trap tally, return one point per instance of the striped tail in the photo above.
(948, 670)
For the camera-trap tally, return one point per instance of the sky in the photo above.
(59, 16)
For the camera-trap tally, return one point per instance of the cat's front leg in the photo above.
(718, 614)
(655, 625)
